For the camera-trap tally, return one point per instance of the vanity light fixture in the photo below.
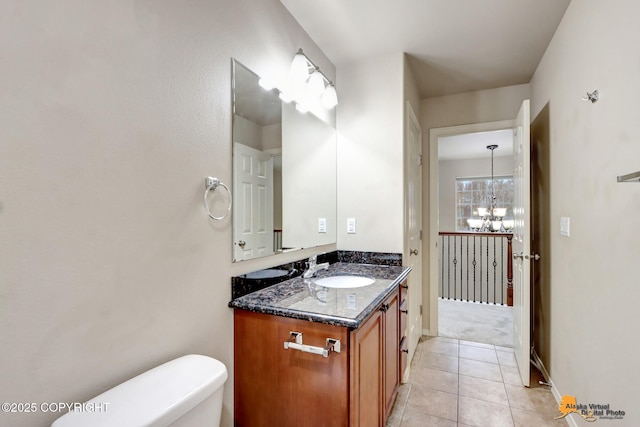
(330, 97)
(311, 83)
(316, 83)
(300, 67)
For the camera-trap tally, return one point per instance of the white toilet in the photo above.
(185, 392)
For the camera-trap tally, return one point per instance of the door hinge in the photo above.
(419, 159)
(420, 234)
(420, 309)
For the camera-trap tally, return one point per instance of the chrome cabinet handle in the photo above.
(413, 252)
(520, 255)
(295, 343)
(241, 243)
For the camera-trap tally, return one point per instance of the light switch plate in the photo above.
(351, 225)
(322, 225)
(564, 226)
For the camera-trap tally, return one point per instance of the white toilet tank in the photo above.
(184, 392)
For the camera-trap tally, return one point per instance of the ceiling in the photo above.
(453, 46)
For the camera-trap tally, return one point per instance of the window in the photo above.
(472, 193)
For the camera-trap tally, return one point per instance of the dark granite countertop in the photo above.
(303, 299)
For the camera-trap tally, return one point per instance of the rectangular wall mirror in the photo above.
(284, 173)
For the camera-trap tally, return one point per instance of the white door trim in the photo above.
(434, 134)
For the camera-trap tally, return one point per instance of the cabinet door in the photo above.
(288, 388)
(367, 373)
(402, 336)
(391, 353)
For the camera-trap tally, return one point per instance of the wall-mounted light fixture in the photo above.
(308, 85)
(592, 96)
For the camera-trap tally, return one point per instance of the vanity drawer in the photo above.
(404, 288)
(404, 353)
(403, 318)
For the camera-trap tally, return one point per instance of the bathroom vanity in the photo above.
(312, 355)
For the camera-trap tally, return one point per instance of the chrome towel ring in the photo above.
(211, 184)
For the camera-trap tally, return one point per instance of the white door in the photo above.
(522, 243)
(253, 200)
(413, 213)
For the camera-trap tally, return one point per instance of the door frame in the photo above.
(434, 208)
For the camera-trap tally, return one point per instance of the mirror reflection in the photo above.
(284, 173)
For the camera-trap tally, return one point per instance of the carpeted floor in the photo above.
(469, 321)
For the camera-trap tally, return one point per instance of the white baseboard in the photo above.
(426, 332)
(554, 390)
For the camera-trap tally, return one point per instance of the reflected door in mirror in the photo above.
(253, 214)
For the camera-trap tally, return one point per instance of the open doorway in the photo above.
(471, 299)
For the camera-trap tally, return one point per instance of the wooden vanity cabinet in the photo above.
(356, 387)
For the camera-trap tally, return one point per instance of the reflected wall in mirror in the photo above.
(284, 173)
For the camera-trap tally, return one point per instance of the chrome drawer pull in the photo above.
(295, 343)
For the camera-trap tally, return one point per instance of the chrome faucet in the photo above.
(313, 267)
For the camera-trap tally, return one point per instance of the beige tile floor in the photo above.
(461, 383)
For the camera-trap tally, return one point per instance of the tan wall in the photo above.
(370, 141)
(594, 272)
(490, 105)
(112, 115)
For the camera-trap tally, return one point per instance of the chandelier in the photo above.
(491, 219)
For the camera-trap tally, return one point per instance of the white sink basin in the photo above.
(344, 282)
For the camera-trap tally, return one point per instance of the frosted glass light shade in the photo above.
(495, 225)
(474, 223)
(499, 212)
(316, 83)
(483, 211)
(299, 68)
(330, 97)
